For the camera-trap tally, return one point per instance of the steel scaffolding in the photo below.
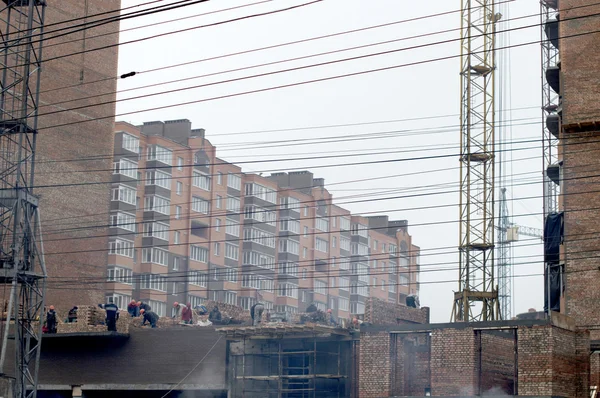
(477, 296)
(21, 250)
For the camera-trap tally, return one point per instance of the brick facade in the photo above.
(379, 312)
(375, 368)
(74, 217)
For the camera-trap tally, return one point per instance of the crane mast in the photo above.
(22, 268)
(477, 295)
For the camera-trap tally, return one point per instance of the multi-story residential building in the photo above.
(188, 226)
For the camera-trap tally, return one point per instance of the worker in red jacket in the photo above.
(186, 314)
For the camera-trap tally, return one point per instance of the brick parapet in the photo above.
(380, 312)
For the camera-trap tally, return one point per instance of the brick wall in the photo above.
(454, 365)
(595, 369)
(374, 365)
(553, 362)
(497, 359)
(380, 312)
(410, 364)
(75, 217)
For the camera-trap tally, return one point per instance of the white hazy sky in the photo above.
(427, 91)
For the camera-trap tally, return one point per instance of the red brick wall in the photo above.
(553, 361)
(375, 368)
(497, 362)
(454, 365)
(410, 364)
(379, 312)
(75, 217)
(595, 369)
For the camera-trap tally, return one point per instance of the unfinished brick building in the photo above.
(74, 148)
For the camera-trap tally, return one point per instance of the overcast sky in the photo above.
(427, 91)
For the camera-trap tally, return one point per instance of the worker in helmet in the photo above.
(112, 315)
(149, 316)
(179, 307)
(51, 320)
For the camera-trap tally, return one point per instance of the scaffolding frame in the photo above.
(21, 248)
(477, 142)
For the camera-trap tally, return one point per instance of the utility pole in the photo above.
(477, 295)
(21, 249)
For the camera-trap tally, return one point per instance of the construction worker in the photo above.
(178, 309)
(330, 318)
(187, 314)
(311, 308)
(72, 316)
(150, 317)
(51, 320)
(256, 312)
(215, 315)
(133, 309)
(143, 306)
(112, 314)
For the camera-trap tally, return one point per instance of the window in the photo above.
(215, 274)
(333, 242)
(383, 285)
(200, 205)
(177, 237)
(158, 178)
(332, 282)
(198, 253)
(360, 230)
(230, 298)
(289, 203)
(344, 244)
(320, 287)
(130, 142)
(197, 278)
(287, 290)
(259, 236)
(123, 220)
(322, 224)
(374, 245)
(258, 259)
(362, 271)
(179, 163)
(159, 307)
(124, 194)
(250, 280)
(218, 202)
(344, 263)
(306, 232)
(154, 282)
(359, 249)
(162, 154)
(305, 211)
(233, 204)
(121, 247)
(217, 249)
(247, 302)
(177, 212)
(219, 178)
(343, 283)
(304, 273)
(357, 308)
(267, 285)
(334, 220)
(126, 167)
(332, 262)
(232, 251)
(120, 275)
(201, 181)
(217, 224)
(120, 300)
(359, 289)
(260, 214)
(289, 225)
(288, 246)
(175, 263)
(392, 249)
(304, 252)
(231, 275)
(261, 192)
(404, 261)
(374, 282)
(392, 286)
(156, 230)
(232, 228)
(343, 304)
(196, 301)
(404, 280)
(234, 181)
(158, 204)
(179, 187)
(288, 268)
(383, 247)
(322, 245)
(344, 224)
(155, 255)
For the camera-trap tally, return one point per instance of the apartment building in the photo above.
(187, 226)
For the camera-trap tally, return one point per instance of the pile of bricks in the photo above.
(90, 319)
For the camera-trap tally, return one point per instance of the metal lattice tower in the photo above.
(477, 296)
(504, 260)
(550, 103)
(21, 252)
